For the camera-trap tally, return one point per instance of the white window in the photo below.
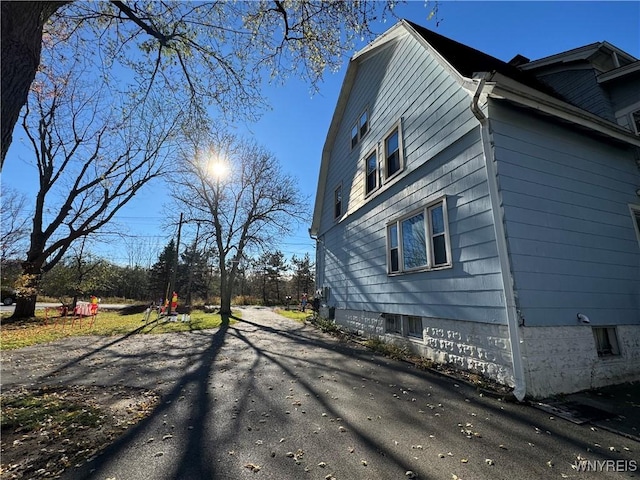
(393, 324)
(420, 240)
(337, 202)
(606, 341)
(371, 173)
(415, 326)
(360, 128)
(393, 158)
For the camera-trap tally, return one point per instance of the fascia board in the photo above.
(580, 53)
(619, 72)
(505, 88)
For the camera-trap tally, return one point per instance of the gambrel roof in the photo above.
(474, 71)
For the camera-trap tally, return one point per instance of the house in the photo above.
(486, 213)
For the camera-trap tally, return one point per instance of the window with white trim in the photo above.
(606, 341)
(360, 128)
(420, 240)
(393, 324)
(415, 326)
(393, 158)
(337, 202)
(371, 173)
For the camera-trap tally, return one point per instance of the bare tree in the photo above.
(204, 53)
(240, 196)
(93, 155)
(14, 228)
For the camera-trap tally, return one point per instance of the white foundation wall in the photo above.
(478, 347)
(564, 359)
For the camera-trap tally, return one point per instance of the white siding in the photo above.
(571, 238)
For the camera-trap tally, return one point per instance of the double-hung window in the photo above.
(393, 159)
(360, 128)
(371, 171)
(420, 240)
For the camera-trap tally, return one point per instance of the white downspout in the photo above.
(520, 388)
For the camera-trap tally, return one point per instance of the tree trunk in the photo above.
(226, 282)
(29, 286)
(25, 307)
(22, 24)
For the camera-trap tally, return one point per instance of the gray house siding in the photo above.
(443, 157)
(571, 238)
(581, 88)
(624, 92)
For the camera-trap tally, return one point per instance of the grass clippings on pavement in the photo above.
(48, 430)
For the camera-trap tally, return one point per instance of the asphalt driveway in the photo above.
(270, 398)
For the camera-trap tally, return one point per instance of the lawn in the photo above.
(294, 314)
(49, 326)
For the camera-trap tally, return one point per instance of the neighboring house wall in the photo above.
(581, 88)
(624, 92)
(573, 248)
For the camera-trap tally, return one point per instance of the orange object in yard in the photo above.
(174, 301)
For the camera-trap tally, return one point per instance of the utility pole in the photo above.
(172, 282)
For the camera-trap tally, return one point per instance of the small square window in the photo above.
(606, 341)
(337, 202)
(415, 327)
(393, 324)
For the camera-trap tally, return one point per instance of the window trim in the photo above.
(335, 203)
(396, 126)
(397, 223)
(367, 193)
(356, 125)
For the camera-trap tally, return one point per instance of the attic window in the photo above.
(360, 128)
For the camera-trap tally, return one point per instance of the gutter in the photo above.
(520, 388)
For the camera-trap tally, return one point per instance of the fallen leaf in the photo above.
(253, 467)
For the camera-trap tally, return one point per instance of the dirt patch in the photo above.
(47, 430)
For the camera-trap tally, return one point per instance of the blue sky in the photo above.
(295, 128)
